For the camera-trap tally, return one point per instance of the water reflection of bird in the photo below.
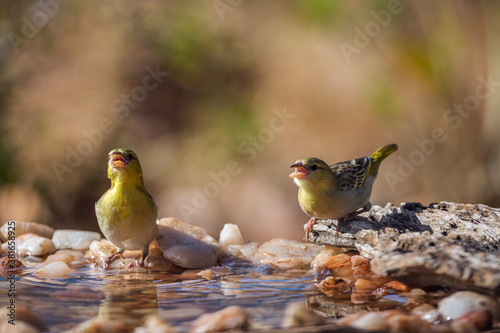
(339, 191)
(128, 299)
(126, 212)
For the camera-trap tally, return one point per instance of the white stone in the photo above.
(154, 324)
(298, 314)
(54, 270)
(34, 245)
(21, 228)
(249, 249)
(233, 318)
(463, 302)
(230, 235)
(186, 245)
(371, 321)
(74, 239)
(101, 250)
(246, 251)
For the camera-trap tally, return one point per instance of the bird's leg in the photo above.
(139, 263)
(145, 253)
(308, 226)
(348, 217)
(363, 209)
(340, 223)
(113, 257)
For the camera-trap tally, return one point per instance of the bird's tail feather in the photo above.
(383, 152)
(379, 155)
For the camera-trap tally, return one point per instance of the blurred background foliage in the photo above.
(233, 67)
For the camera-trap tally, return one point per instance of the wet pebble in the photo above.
(230, 318)
(427, 312)
(31, 261)
(54, 270)
(10, 264)
(286, 254)
(74, 239)
(365, 286)
(246, 251)
(100, 250)
(463, 302)
(297, 314)
(100, 325)
(154, 324)
(25, 321)
(207, 274)
(348, 271)
(186, 245)
(361, 267)
(22, 228)
(482, 320)
(390, 320)
(159, 264)
(324, 255)
(331, 286)
(21, 327)
(128, 264)
(368, 321)
(401, 321)
(33, 245)
(416, 294)
(396, 285)
(74, 259)
(338, 266)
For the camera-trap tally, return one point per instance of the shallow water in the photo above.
(177, 299)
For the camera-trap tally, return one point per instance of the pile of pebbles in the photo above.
(180, 247)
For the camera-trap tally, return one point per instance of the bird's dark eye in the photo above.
(314, 167)
(131, 157)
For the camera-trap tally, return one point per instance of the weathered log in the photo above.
(448, 244)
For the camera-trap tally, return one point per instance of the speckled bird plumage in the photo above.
(338, 190)
(126, 212)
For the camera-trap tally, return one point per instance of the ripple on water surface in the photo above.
(177, 299)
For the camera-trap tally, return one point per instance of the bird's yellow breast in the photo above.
(334, 203)
(127, 217)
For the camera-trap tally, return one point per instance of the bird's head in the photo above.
(123, 163)
(311, 171)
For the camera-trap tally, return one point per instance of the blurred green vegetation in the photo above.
(233, 71)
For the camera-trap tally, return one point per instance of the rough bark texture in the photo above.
(450, 244)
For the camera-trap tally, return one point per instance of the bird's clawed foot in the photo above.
(112, 258)
(141, 263)
(145, 253)
(138, 263)
(340, 224)
(342, 221)
(308, 226)
(119, 254)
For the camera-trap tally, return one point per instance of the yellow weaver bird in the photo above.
(339, 191)
(126, 212)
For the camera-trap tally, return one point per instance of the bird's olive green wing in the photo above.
(352, 174)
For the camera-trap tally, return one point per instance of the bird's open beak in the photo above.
(117, 160)
(300, 172)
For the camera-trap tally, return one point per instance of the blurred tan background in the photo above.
(219, 98)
